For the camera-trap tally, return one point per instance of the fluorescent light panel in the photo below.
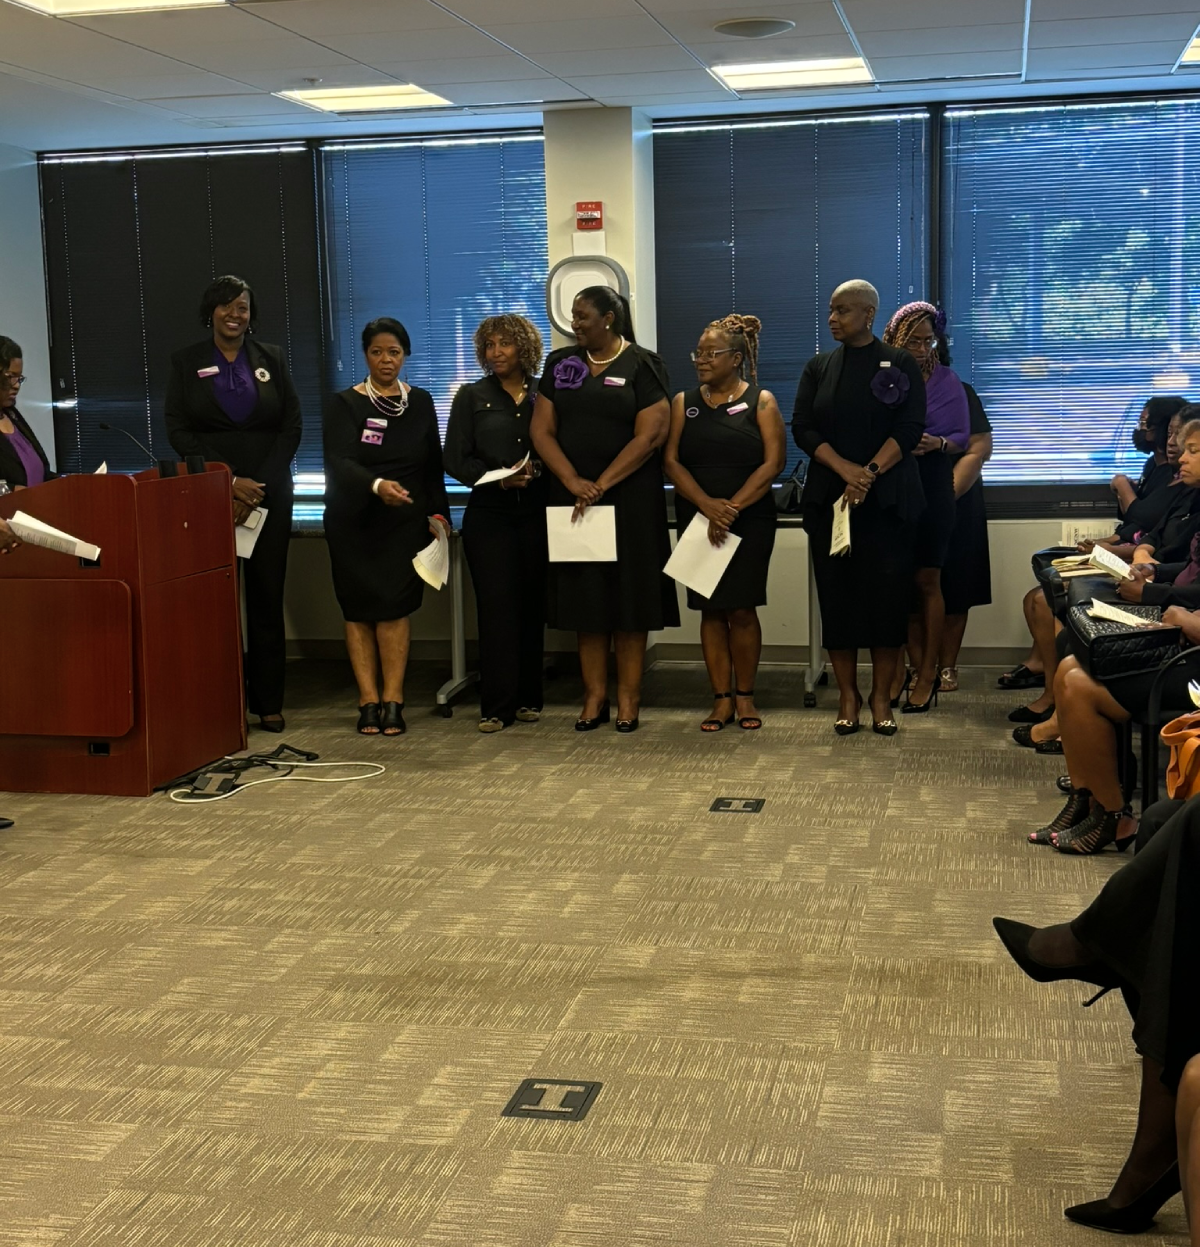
(93, 8)
(366, 99)
(777, 75)
(1191, 54)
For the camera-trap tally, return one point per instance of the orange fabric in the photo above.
(1183, 773)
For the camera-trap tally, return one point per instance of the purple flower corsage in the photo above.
(570, 372)
(889, 385)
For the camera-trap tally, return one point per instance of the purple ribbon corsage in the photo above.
(570, 372)
(889, 385)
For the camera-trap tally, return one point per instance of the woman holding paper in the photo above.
(726, 446)
(231, 400)
(23, 462)
(859, 415)
(602, 416)
(384, 495)
(504, 528)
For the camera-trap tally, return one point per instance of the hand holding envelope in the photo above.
(587, 537)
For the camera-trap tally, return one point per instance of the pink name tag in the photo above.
(373, 422)
(733, 411)
(207, 372)
(614, 380)
(372, 438)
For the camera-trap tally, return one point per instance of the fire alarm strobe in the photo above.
(589, 214)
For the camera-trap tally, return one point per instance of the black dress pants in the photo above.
(505, 544)
(263, 575)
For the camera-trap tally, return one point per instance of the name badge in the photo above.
(887, 363)
(733, 411)
(207, 372)
(614, 380)
(372, 438)
(374, 422)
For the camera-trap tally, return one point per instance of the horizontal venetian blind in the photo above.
(767, 218)
(132, 240)
(438, 233)
(1071, 244)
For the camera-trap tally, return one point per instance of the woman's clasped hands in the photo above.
(858, 483)
(587, 493)
(720, 514)
(247, 495)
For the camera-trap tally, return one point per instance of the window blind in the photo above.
(767, 218)
(132, 240)
(1071, 244)
(438, 233)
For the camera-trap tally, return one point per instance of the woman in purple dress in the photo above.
(916, 328)
(23, 462)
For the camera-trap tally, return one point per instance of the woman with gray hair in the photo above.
(859, 414)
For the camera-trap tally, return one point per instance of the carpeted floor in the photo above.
(292, 1019)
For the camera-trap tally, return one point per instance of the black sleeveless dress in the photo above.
(721, 447)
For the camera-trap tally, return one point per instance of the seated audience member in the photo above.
(7, 542)
(23, 462)
(1146, 504)
(1140, 934)
(1171, 536)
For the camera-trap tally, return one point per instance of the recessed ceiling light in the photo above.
(93, 8)
(385, 98)
(1191, 54)
(754, 27)
(774, 75)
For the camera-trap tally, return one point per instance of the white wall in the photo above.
(313, 614)
(23, 285)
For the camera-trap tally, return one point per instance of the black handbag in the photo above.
(1042, 559)
(1107, 650)
(787, 500)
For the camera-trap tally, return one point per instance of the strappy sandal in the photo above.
(368, 719)
(748, 722)
(1095, 833)
(949, 679)
(715, 724)
(1079, 803)
(392, 720)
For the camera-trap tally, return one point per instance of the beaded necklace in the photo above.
(389, 405)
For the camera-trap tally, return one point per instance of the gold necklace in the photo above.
(708, 394)
(601, 362)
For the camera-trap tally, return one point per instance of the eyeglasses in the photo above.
(11, 378)
(698, 356)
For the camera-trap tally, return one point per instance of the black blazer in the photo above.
(262, 446)
(12, 469)
(816, 420)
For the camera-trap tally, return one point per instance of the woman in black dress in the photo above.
(967, 571)
(231, 400)
(726, 446)
(601, 418)
(504, 528)
(384, 496)
(859, 414)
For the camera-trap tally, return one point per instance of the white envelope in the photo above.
(432, 563)
(500, 474)
(246, 535)
(840, 541)
(696, 562)
(590, 539)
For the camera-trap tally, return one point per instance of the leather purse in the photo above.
(787, 500)
(1108, 650)
(1054, 587)
(1183, 773)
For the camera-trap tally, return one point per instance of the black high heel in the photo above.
(1079, 803)
(1015, 937)
(391, 720)
(628, 725)
(1094, 834)
(908, 675)
(590, 725)
(1023, 714)
(1133, 1218)
(912, 707)
(847, 727)
(368, 719)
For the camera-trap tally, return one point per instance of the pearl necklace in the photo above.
(389, 405)
(602, 362)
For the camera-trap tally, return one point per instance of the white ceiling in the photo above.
(206, 75)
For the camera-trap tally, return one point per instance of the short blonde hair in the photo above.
(521, 330)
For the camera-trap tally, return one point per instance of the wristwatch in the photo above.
(873, 468)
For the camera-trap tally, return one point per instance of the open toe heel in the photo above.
(392, 720)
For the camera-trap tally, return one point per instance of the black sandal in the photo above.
(748, 722)
(368, 719)
(713, 724)
(1021, 677)
(1094, 834)
(1077, 808)
(392, 720)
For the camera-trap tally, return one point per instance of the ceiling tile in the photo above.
(1053, 10)
(490, 13)
(949, 65)
(260, 104)
(1139, 56)
(1173, 28)
(783, 48)
(894, 43)
(697, 24)
(503, 68)
(317, 18)
(518, 92)
(402, 45)
(532, 38)
(869, 15)
(664, 57)
(602, 85)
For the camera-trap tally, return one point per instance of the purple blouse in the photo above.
(946, 411)
(35, 473)
(234, 387)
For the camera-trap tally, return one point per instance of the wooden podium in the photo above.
(120, 676)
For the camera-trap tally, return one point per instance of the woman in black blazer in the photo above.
(231, 400)
(23, 462)
(860, 412)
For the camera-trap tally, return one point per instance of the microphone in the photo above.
(109, 428)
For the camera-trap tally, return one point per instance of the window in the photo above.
(767, 218)
(1070, 253)
(132, 241)
(438, 233)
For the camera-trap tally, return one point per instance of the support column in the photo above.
(605, 154)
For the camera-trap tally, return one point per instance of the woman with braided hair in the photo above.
(725, 448)
(919, 328)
